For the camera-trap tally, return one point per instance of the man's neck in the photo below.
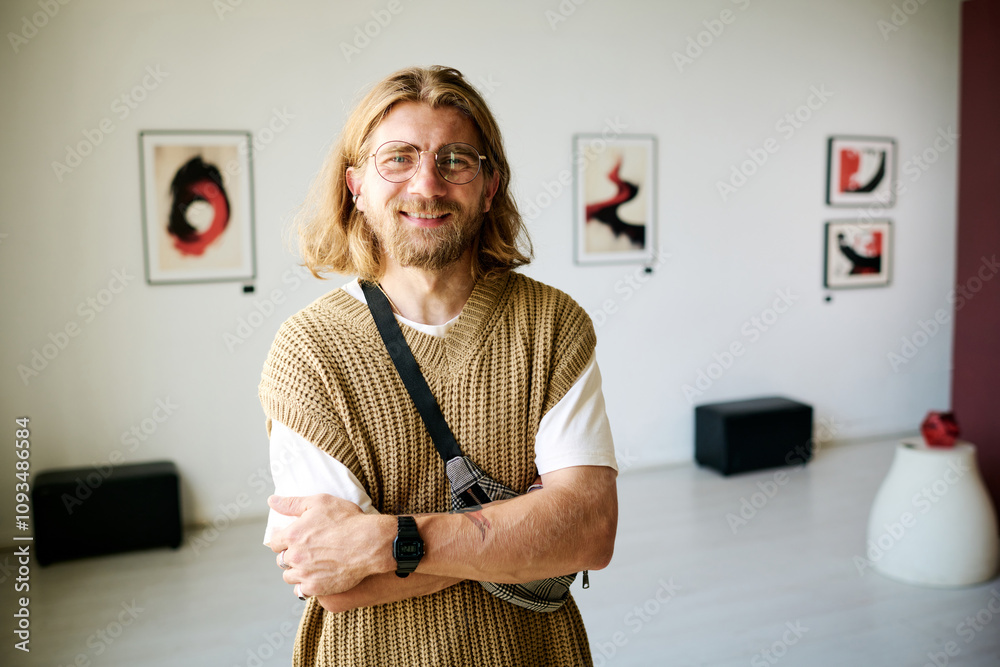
(429, 297)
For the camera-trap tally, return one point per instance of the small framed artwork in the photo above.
(615, 198)
(197, 206)
(861, 171)
(858, 254)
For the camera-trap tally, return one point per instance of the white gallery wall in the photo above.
(134, 372)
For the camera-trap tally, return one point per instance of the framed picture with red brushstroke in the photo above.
(858, 254)
(615, 211)
(197, 206)
(861, 171)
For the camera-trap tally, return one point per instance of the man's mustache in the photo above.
(424, 207)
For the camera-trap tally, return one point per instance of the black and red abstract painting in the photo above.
(197, 205)
(615, 200)
(858, 254)
(861, 171)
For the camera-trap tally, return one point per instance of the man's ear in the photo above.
(354, 182)
(491, 190)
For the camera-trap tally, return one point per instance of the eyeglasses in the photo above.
(398, 161)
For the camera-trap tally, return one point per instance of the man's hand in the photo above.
(332, 546)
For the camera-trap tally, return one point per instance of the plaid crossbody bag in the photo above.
(470, 486)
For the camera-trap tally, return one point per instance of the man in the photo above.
(415, 198)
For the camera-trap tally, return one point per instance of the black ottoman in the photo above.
(741, 436)
(95, 511)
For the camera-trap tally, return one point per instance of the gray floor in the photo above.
(683, 589)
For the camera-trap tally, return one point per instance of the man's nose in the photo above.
(428, 181)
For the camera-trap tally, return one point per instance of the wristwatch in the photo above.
(407, 548)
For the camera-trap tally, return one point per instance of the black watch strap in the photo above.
(407, 548)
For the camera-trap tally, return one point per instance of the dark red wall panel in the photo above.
(976, 367)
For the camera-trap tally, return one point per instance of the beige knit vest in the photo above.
(515, 350)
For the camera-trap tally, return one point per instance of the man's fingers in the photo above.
(288, 505)
(297, 505)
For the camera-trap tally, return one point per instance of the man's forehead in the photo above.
(425, 126)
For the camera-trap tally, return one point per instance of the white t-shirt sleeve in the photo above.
(300, 468)
(576, 432)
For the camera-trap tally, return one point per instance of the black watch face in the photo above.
(409, 550)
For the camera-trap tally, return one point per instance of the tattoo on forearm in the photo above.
(475, 515)
(480, 522)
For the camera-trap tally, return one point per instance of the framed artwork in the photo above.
(858, 254)
(197, 206)
(861, 171)
(615, 198)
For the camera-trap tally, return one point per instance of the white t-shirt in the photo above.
(575, 432)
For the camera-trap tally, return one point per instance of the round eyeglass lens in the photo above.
(396, 161)
(458, 163)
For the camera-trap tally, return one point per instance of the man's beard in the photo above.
(428, 248)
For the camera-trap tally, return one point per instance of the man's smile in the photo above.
(426, 218)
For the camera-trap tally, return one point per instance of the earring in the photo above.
(355, 198)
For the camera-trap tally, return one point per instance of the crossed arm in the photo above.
(344, 557)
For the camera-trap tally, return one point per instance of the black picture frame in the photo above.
(857, 254)
(861, 171)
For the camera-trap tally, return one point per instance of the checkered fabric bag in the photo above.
(471, 487)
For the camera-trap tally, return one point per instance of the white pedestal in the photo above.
(932, 522)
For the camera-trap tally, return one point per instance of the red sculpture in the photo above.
(939, 429)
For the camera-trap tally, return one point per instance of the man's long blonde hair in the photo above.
(333, 235)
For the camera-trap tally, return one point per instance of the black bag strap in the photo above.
(409, 372)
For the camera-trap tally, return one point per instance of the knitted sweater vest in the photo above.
(516, 349)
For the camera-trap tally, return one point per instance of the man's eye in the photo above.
(456, 162)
